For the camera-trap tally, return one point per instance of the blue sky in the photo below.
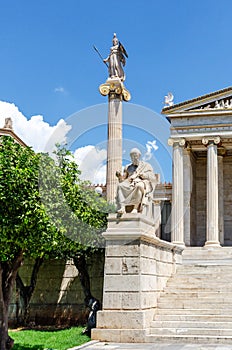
(49, 68)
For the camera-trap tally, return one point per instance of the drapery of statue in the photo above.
(135, 185)
(116, 59)
(115, 62)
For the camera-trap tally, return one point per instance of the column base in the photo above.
(215, 244)
(181, 244)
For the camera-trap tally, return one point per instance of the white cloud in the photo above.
(60, 89)
(41, 136)
(91, 161)
(151, 146)
(35, 132)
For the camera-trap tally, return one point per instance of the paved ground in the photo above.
(93, 345)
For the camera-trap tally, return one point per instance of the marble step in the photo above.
(203, 278)
(191, 331)
(218, 300)
(204, 273)
(191, 324)
(190, 304)
(194, 311)
(196, 289)
(200, 284)
(201, 339)
(217, 257)
(196, 294)
(195, 318)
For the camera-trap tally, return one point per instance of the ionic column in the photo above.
(212, 233)
(188, 183)
(114, 149)
(177, 221)
(117, 93)
(221, 197)
(157, 216)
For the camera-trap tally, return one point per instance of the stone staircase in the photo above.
(196, 304)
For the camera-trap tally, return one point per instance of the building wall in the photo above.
(227, 174)
(193, 223)
(201, 174)
(58, 297)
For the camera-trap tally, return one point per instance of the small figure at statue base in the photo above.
(94, 306)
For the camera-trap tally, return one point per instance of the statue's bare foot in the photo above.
(121, 210)
(134, 211)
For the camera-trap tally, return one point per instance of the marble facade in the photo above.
(201, 137)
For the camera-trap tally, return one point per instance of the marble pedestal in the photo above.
(137, 267)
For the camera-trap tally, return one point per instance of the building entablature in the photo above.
(199, 141)
(208, 115)
(207, 104)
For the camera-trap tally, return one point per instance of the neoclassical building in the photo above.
(201, 137)
(174, 283)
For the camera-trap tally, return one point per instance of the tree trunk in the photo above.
(25, 294)
(8, 271)
(91, 302)
(3, 330)
(80, 263)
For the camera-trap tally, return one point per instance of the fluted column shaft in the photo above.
(220, 199)
(177, 222)
(114, 149)
(212, 233)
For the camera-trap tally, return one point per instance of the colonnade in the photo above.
(214, 216)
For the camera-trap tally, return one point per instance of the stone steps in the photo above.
(196, 318)
(197, 294)
(195, 339)
(191, 311)
(178, 324)
(196, 304)
(212, 285)
(191, 331)
(188, 304)
(189, 290)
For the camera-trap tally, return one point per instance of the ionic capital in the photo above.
(156, 202)
(114, 88)
(208, 140)
(181, 142)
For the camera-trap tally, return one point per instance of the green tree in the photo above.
(82, 214)
(45, 210)
(25, 227)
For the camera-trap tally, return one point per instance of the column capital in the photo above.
(156, 201)
(115, 89)
(208, 140)
(172, 141)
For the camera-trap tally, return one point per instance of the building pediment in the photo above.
(217, 101)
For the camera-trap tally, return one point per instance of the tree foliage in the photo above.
(46, 211)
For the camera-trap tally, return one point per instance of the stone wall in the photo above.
(58, 297)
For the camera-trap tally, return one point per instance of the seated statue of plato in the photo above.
(136, 183)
